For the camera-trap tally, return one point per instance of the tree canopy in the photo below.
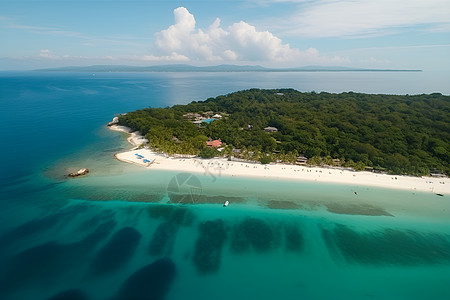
(404, 134)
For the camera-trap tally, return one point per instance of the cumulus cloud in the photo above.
(241, 41)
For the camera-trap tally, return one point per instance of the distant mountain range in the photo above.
(218, 68)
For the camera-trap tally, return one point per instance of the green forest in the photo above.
(400, 134)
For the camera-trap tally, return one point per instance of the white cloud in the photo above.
(171, 57)
(241, 41)
(356, 18)
(47, 54)
(85, 39)
(372, 61)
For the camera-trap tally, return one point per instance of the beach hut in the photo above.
(301, 160)
(214, 144)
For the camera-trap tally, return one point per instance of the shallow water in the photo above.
(291, 240)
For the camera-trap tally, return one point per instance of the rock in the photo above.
(80, 172)
(115, 120)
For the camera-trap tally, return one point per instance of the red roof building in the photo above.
(214, 144)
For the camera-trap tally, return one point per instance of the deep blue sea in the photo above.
(115, 234)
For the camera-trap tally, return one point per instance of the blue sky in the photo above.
(406, 34)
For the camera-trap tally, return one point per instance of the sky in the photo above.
(393, 34)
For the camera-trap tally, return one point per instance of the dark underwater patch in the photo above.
(118, 193)
(293, 237)
(208, 247)
(43, 264)
(219, 199)
(69, 295)
(203, 199)
(117, 252)
(176, 198)
(281, 204)
(182, 216)
(90, 242)
(160, 211)
(357, 209)
(148, 198)
(28, 229)
(37, 225)
(151, 282)
(163, 239)
(103, 216)
(177, 214)
(389, 246)
(252, 233)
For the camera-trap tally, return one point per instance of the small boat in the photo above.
(226, 203)
(441, 195)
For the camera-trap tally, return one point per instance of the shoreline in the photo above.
(217, 167)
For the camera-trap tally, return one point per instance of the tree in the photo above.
(208, 152)
(404, 134)
(265, 160)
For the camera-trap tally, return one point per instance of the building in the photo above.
(208, 114)
(214, 144)
(192, 116)
(301, 160)
(270, 129)
(217, 116)
(337, 162)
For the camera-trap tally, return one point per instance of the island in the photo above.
(219, 68)
(292, 133)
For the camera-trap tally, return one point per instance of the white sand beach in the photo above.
(222, 167)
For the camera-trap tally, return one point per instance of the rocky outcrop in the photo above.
(80, 172)
(114, 121)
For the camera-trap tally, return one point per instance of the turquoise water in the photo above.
(208, 120)
(276, 239)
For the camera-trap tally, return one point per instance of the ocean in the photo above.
(121, 232)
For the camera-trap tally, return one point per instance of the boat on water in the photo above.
(226, 203)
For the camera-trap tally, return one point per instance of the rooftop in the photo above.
(214, 144)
